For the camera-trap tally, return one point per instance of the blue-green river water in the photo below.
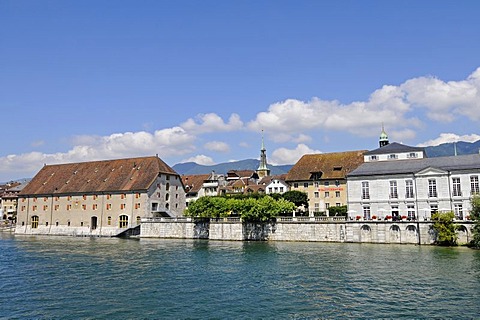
(98, 278)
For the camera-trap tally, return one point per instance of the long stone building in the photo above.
(99, 198)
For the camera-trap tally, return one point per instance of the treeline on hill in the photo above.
(254, 207)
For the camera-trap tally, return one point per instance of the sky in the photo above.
(203, 81)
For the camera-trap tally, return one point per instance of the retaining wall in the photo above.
(404, 232)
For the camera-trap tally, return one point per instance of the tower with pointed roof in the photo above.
(263, 170)
(383, 141)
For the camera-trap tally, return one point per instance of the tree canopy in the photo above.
(248, 209)
(445, 229)
(299, 198)
(475, 216)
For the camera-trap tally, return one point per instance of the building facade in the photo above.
(99, 198)
(323, 178)
(400, 182)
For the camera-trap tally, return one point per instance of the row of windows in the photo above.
(56, 207)
(122, 222)
(85, 197)
(327, 206)
(316, 194)
(316, 184)
(432, 188)
(395, 213)
(393, 156)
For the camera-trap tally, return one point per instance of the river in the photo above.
(100, 278)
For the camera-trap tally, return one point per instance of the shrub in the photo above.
(445, 229)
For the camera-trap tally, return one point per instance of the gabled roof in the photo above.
(325, 165)
(97, 176)
(395, 147)
(194, 182)
(453, 163)
(241, 174)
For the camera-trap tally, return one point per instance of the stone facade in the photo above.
(300, 229)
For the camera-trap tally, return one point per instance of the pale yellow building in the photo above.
(99, 198)
(323, 178)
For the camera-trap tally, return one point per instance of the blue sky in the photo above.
(199, 80)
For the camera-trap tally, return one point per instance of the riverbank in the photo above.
(312, 229)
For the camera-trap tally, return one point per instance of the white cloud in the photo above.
(244, 144)
(200, 159)
(395, 106)
(211, 122)
(290, 156)
(450, 137)
(217, 146)
(166, 143)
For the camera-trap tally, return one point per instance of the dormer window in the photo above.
(337, 168)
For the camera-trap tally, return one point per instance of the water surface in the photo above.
(91, 278)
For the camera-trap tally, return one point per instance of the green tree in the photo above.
(475, 216)
(445, 229)
(298, 198)
(338, 211)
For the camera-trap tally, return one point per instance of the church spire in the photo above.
(383, 141)
(263, 170)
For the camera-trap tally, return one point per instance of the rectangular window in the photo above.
(123, 196)
(337, 194)
(295, 185)
(317, 184)
(457, 192)
(94, 206)
(69, 198)
(316, 194)
(34, 208)
(69, 207)
(366, 212)
(84, 197)
(338, 204)
(109, 196)
(432, 188)
(393, 190)
(327, 194)
(365, 190)
(57, 198)
(373, 158)
(45, 207)
(392, 156)
(327, 205)
(281, 189)
(109, 220)
(458, 210)
(409, 189)
(326, 183)
(95, 197)
(23, 208)
(317, 207)
(84, 207)
(137, 205)
(45, 198)
(109, 206)
(270, 190)
(433, 208)
(305, 184)
(474, 185)
(57, 207)
(412, 155)
(122, 206)
(411, 212)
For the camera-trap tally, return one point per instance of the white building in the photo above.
(399, 181)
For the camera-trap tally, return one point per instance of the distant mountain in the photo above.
(249, 164)
(448, 149)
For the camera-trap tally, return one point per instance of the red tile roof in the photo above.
(98, 176)
(194, 182)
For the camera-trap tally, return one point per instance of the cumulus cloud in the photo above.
(200, 159)
(211, 122)
(290, 156)
(395, 106)
(450, 137)
(217, 146)
(166, 142)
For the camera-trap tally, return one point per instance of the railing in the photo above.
(311, 219)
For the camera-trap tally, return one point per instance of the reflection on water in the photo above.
(63, 277)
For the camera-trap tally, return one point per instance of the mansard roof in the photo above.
(394, 147)
(98, 176)
(452, 163)
(328, 165)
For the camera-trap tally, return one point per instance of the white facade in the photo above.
(276, 186)
(414, 189)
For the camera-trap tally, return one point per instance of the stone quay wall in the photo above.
(316, 229)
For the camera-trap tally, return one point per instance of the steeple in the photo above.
(383, 141)
(263, 170)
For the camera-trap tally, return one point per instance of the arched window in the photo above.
(139, 219)
(123, 221)
(34, 222)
